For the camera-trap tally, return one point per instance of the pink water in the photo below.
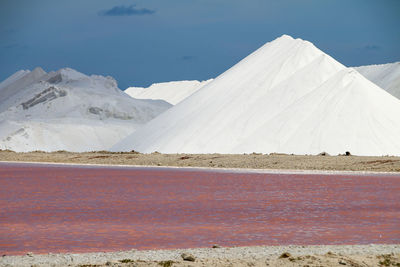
(48, 208)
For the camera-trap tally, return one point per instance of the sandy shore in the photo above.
(366, 255)
(250, 161)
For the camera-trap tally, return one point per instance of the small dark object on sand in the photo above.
(188, 257)
(285, 255)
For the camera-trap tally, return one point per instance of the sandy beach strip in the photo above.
(272, 162)
(330, 255)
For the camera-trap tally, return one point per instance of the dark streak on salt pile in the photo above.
(55, 208)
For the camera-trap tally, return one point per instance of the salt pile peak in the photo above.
(288, 96)
(17, 82)
(13, 78)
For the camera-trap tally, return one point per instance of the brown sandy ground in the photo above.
(285, 256)
(327, 260)
(251, 161)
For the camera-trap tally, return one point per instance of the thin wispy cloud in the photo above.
(9, 46)
(372, 47)
(8, 31)
(187, 58)
(126, 11)
(14, 45)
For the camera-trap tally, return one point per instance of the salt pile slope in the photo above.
(67, 110)
(287, 97)
(386, 76)
(172, 92)
(13, 78)
(17, 82)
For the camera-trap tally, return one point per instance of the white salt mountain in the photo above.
(67, 110)
(286, 97)
(386, 76)
(172, 92)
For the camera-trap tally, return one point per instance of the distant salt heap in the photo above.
(172, 92)
(286, 97)
(67, 110)
(386, 76)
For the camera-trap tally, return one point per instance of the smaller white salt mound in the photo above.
(67, 110)
(386, 76)
(172, 92)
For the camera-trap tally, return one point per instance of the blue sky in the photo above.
(144, 41)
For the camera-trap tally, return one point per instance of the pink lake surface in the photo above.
(59, 208)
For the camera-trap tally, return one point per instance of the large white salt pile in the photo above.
(286, 97)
